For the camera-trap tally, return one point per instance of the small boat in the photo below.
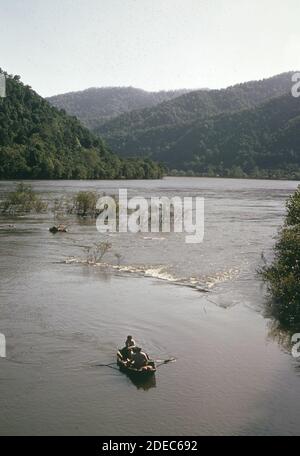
(144, 371)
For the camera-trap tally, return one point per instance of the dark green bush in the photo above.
(85, 203)
(22, 200)
(283, 275)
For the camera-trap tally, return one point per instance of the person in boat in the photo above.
(130, 342)
(139, 358)
(127, 350)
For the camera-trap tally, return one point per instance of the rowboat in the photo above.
(144, 371)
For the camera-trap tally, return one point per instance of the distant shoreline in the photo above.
(157, 179)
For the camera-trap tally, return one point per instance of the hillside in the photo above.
(95, 106)
(197, 105)
(38, 141)
(164, 131)
(259, 142)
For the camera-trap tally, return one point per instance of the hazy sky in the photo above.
(63, 45)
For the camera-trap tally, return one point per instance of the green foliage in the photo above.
(248, 130)
(85, 203)
(22, 200)
(39, 142)
(293, 209)
(283, 275)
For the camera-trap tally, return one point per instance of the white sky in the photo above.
(64, 45)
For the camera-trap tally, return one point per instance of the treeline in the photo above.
(283, 275)
(37, 141)
(248, 130)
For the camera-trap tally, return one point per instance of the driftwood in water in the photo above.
(58, 229)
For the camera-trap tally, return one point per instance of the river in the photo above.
(61, 318)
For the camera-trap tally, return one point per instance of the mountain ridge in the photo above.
(202, 103)
(96, 105)
(165, 131)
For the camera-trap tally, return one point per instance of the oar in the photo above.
(107, 365)
(111, 365)
(165, 361)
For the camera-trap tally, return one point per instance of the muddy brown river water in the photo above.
(60, 319)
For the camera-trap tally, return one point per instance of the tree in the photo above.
(283, 275)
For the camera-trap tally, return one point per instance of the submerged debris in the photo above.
(58, 229)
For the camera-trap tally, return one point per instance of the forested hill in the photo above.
(95, 106)
(196, 105)
(38, 141)
(168, 131)
(259, 142)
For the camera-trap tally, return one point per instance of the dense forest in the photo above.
(197, 105)
(249, 129)
(261, 142)
(38, 141)
(95, 106)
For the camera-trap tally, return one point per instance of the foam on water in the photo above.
(160, 272)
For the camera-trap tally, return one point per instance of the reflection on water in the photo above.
(280, 335)
(143, 383)
(283, 336)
